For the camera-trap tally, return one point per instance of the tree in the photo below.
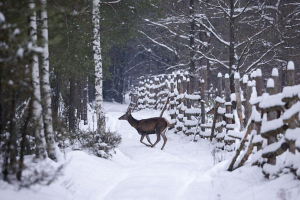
(46, 83)
(98, 65)
(37, 107)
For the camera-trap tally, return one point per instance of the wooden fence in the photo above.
(265, 120)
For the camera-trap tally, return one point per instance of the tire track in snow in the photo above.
(114, 182)
(170, 172)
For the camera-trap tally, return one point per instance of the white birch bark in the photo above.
(37, 107)
(98, 64)
(46, 84)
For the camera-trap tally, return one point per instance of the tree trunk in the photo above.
(85, 99)
(37, 107)
(46, 84)
(98, 65)
(1, 106)
(12, 143)
(55, 84)
(24, 140)
(232, 63)
(192, 38)
(72, 105)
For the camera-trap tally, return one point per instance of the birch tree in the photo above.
(37, 107)
(46, 83)
(98, 65)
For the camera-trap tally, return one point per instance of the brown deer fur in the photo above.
(155, 125)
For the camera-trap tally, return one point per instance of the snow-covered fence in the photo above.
(273, 127)
(133, 95)
(180, 103)
(266, 121)
(222, 117)
(183, 97)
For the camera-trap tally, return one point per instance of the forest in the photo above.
(223, 74)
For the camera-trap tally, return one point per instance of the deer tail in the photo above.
(168, 123)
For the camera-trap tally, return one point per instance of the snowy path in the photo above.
(183, 170)
(152, 173)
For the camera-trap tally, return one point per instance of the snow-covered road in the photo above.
(183, 170)
(151, 173)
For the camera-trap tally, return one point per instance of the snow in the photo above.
(232, 97)
(249, 84)
(291, 91)
(190, 123)
(229, 115)
(270, 83)
(2, 18)
(273, 147)
(257, 139)
(271, 169)
(253, 74)
(219, 100)
(292, 134)
(183, 170)
(245, 78)
(275, 72)
(271, 101)
(236, 134)
(237, 75)
(258, 72)
(271, 125)
(16, 31)
(192, 97)
(193, 111)
(221, 111)
(290, 65)
(292, 111)
(230, 126)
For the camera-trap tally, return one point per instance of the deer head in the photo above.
(126, 115)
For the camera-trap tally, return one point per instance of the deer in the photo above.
(145, 127)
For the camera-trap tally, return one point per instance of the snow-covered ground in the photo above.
(183, 170)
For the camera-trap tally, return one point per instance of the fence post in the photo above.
(275, 77)
(270, 116)
(219, 86)
(290, 82)
(259, 82)
(202, 104)
(227, 98)
(238, 99)
(246, 94)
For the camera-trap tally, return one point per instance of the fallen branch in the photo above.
(249, 129)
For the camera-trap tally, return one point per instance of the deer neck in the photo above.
(133, 122)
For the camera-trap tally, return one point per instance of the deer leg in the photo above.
(157, 140)
(163, 135)
(143, 136)
(148, 138)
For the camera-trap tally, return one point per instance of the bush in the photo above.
(101, 144)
